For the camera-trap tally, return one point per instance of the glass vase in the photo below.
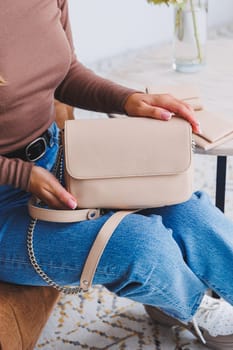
(190, 36)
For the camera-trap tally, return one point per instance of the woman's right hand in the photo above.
(46, 187)
(160, 106)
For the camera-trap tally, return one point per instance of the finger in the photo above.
(178, 107)
(154, 112)
(188, 106)
(52, 201)
(58, 194)
(66, 198)
(47, 188)
(185, 113)
(192, 110)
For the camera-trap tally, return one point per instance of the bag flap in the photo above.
(126, 147)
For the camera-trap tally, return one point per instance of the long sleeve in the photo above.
(40, 63)
(15, 172)
(84, 89)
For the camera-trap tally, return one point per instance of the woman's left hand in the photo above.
(160, 106)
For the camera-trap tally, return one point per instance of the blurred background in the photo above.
(106, 28)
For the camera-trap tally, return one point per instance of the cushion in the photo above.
(24, 311)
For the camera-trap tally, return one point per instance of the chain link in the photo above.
(57, 171)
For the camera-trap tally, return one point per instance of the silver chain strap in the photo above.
(57, 171)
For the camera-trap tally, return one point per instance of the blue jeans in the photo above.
(165, 257)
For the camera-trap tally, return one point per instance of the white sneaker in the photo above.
(215, 315)
(212, 323)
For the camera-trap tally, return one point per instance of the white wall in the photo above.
(103, 28)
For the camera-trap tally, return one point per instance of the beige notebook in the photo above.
(187, 93)
(216, 130)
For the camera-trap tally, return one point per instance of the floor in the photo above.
(100, 320)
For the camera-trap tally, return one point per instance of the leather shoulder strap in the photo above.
(54, 215)
(98, 247)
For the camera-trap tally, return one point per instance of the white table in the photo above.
(221, 152)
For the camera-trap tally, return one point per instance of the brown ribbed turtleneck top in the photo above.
(38, 62)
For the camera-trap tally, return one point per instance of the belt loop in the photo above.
(54, 134)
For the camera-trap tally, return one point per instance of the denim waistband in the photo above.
(49, 158)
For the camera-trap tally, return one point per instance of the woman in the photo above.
(165, 257)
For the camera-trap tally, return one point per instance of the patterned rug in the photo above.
(100, 320)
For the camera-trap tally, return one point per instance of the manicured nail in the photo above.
(72, 204)
(166, 115)
(198, 130)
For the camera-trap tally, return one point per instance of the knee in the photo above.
(139, 243)
(141, 235)
(140, 257)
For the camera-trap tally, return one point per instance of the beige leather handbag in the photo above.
(121, 163)
(128, 163)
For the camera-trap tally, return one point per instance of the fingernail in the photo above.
(72, 204)
(199, 131)
(166, 115)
